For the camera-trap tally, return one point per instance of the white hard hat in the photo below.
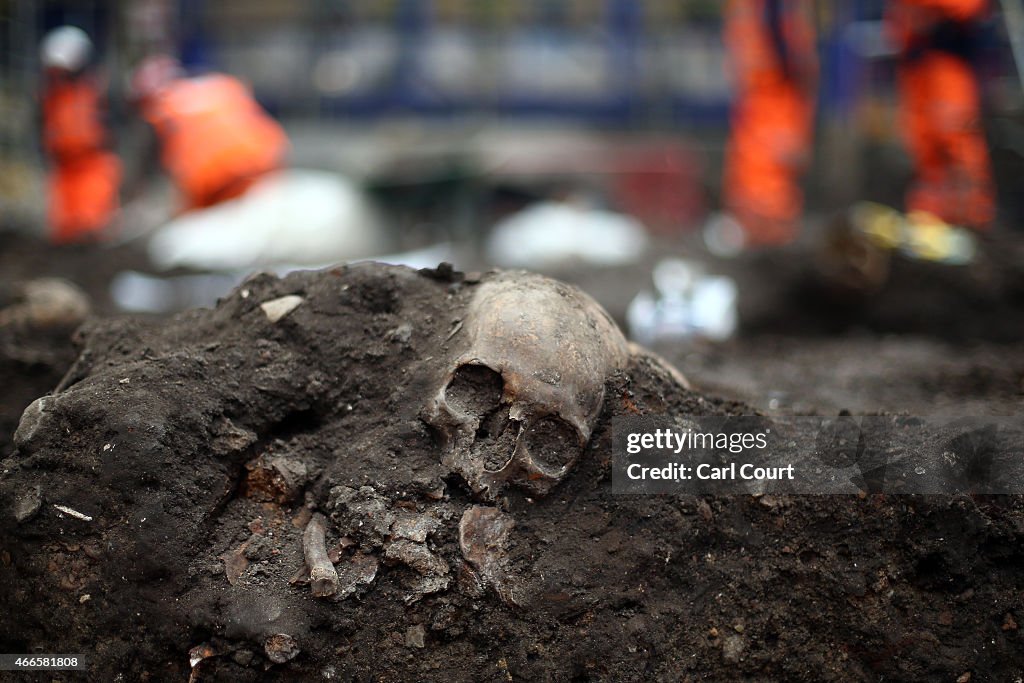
(67, 47)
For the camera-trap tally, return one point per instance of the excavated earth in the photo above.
(33, 359)
(189, 455)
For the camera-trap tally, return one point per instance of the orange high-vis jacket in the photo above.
(72, 123)
(215, 137)
(85, 177)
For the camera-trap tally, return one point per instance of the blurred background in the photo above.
(449, 104)
(584, 138)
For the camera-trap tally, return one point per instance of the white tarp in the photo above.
(294, 216)
(551, 233)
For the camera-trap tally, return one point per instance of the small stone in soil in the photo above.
(28, 504)
(275, 309)
(281, 648)
(414, 636)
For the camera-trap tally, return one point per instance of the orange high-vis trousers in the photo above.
(83, 196)
(85, 177)
(941, 117)
(768, 150)
(773, 116)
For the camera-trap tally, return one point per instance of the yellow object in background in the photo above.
(930, 238)
(920, 235)
(881, 223)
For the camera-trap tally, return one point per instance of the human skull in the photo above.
(519, 402)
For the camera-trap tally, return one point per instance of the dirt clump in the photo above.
(37, 319)
(45, 292)
(190, 470)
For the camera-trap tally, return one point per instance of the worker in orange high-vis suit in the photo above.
(215, 139)
(85, 175)
(771, 44)
(941, 111)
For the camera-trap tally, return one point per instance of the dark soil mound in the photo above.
(32, 363)
(788, 293)
(90, 267)
(32, 358)
(190, 457)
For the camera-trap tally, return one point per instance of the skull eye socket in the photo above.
(553, 443)
(475, 390)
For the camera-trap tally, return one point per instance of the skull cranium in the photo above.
(519, 402)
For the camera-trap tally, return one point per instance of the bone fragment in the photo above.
(323, 578)
(483, 539)
(73, 513)
(275, 309)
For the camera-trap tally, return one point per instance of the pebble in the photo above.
(414, 636)
(732, 648)
(705, 511)
(401, 334)
(413, 526)
(359, 570)
(28, 504)
(275, 309)
(242, 657)
(52, 302)
(198, 654)
(31, 419)
(275, 478)
(1009, 623)
(281, 648)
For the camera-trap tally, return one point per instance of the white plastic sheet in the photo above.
(294, 216)
(551, 233)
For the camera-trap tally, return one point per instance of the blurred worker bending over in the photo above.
(215, 139)
(85, 175)
(772, 48)
(941, 112)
